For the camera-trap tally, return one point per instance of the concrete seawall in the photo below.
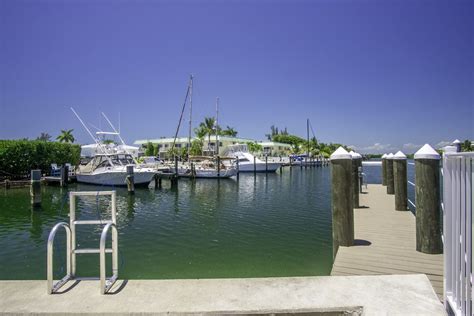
(354, 295)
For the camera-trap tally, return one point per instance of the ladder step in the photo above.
(92, 222)
(92, 250)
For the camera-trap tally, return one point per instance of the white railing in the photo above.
(458, 196)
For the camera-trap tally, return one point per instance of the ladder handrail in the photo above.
(54, 287)
(105, 285)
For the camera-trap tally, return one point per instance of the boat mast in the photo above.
(217, 125)
(190, 112)
(180, 119)
(307, 137)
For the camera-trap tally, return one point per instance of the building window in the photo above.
(220, 144)
(178, 145)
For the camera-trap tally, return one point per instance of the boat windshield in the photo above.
(232, 149)
(122, 160)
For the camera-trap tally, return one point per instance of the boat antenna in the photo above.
(307, 137)
(180, 118)
(217, 125)
(88, 131)
(120, 137)
(190, 111)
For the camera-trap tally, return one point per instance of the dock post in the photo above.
(356, 162)
(266, 164)
(389, 175)
(218, 166)
(384, 169)
(130, 179)
(400, 181)
(254, 165)
(35, 188)
(193, 171)
(176, 165)
(428, 217)
(156, 181)
(342, 209)
(7, 184)
(457, 144)
(64, 176)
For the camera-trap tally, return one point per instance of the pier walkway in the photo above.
(386, 242)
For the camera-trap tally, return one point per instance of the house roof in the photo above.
(169, 140)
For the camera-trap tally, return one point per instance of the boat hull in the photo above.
(259, 167)
(116, 178)
(209, 173)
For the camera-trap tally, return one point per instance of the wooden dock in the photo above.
(385, 242)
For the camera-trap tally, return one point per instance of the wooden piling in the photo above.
(355, 163)
(218, 166)
(238, 167)
(384, 169)
(341, 203)
(428, 215)
(64, 176)
(130, 180)
(35, 188)
(266, 164)
(254, 165)
(389, 175)
(176, 165)
(400, 181)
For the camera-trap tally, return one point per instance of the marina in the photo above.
(311, 158)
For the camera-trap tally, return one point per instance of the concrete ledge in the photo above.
(339, 295)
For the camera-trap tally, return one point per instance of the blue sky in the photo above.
(378, 75)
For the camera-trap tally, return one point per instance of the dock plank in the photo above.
(386, 242)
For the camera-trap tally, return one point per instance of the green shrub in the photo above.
(18, 157)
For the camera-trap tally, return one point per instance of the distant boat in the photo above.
(246, 160)
(111, 169)
(206, 167)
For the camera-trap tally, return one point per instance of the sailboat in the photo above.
(202, 166)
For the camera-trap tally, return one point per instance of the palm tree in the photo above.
(207, 128)
(229, 131)
(66, 136)
(45, 137)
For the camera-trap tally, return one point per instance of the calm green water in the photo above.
(268, 225)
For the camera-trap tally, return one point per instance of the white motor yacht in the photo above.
(206, 167)
(111, 169)
(247, 161)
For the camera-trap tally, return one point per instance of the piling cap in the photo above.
(355, 155)
(340, 153)
(384, 156)
(427, 152)
(457, 141)
(399, 156)
(389, 156)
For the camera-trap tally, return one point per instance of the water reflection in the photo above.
(252, 227)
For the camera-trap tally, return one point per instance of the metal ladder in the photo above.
(72, 250)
